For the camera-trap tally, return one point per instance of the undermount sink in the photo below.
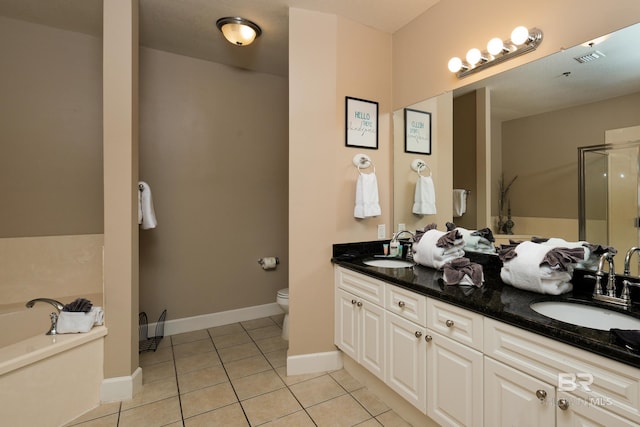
(585, 315)
(388, 263)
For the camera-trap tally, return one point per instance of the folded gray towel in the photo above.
(449, 239)
(464, 272)
(78, 305)
(562, 259)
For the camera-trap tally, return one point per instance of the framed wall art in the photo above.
(417, 131)
(361, 123)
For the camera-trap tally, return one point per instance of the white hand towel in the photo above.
(98, 312)
(426, 253)
(524, 271)
(145, 207)
(424, 202)
(459, 202)
(367, 202)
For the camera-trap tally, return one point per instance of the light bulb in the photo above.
(495, 45)
(455, 64)
(473, 56)
(519, 35)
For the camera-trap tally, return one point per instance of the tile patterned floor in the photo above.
(235, 375)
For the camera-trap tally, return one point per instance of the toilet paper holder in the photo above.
(263, 261)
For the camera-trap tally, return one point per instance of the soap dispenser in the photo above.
(394, 248)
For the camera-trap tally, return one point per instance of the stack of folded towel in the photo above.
(476, 240)
(539, 268)
(434, 248)
(591, 252)
(462, 271)
(79, 316)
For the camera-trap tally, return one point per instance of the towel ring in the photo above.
(418, 166)
(140, 187)
(362, 161)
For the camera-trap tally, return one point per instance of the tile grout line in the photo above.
(175, 374)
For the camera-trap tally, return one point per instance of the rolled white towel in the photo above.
(524, 271)
(426, 253)
(146, 212)
(99, 315)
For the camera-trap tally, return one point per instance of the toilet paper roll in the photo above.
(269, 263)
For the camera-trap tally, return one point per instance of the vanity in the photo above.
(466, 356)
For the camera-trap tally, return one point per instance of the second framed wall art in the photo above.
(417, 131)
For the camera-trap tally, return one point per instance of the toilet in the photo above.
(283, 302)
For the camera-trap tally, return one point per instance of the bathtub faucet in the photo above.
(54, 316)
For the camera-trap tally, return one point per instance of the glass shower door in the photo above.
(609, 194)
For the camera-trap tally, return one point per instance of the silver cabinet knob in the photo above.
(353, 301)
(563, 404)
(541, 394)
(418, 334)
(359, 304)
(449, 323)
(428, 338)
(400, 304)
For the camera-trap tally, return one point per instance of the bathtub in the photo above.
(46, 380)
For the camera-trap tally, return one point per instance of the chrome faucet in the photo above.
(627, 260)
(53, 316)
(611, 282)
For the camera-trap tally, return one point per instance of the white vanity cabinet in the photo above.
(406, 356)
(523, 374)
(359, 319)
(454, 365)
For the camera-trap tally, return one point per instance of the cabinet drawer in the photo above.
(615, 386)
(407, 304)
(360, 285)
(459, 324)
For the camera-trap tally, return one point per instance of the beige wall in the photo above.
(213, 148)
(543, 151)
(329, 58)
(51, 131)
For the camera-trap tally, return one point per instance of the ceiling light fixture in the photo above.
(238, 31)
(522, 41)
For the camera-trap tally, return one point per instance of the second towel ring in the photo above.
(362, 161)
(418, 166)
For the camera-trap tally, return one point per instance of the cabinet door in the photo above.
(515, 399)
(454, 382)
(346, 323)
(575, 412)
(406, 360)
(372, 342)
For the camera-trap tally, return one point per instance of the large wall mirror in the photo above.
(533, 119)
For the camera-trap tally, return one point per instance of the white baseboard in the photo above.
(121, 388)
(314, 362)
(195, 323)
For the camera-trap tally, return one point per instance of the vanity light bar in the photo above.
(522, 41)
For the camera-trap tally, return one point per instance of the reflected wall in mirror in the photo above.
(540, 113)
(405, 178)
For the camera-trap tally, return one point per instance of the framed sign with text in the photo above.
(361, 123)
(417, 131)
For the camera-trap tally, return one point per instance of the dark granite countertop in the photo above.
(496, 299)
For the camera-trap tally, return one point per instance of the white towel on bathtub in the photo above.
(146, 212)
(70, 322)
